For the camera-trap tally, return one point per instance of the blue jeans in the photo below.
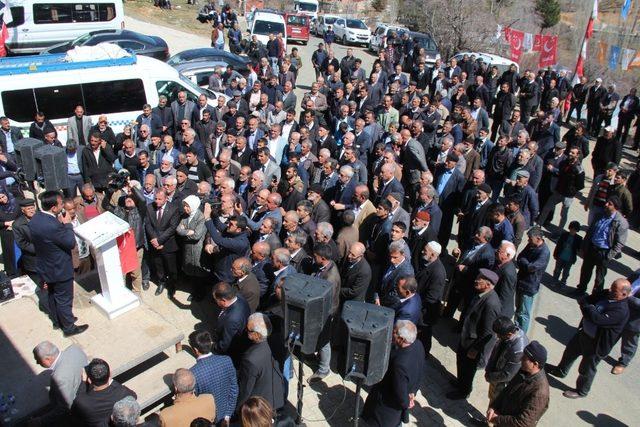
(524, 304)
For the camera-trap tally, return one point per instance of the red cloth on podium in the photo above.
(128, 252)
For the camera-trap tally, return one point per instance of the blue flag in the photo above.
(614, 57)
(626, 7)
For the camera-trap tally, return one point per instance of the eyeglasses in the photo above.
(103, 122)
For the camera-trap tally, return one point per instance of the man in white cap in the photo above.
(431, 277)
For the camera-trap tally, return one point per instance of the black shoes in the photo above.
(75, 330)
(160, 289)
(318, 376)
(556, 372)
(145, 286)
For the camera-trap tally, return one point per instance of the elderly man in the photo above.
(125, 412)
(258, 373)
(604, 316)
(532, 263)
(399, 266)
(394, 395)
(431, 277)
(477, 334)
(246, 282)
(355, 274)
(505, 268)
(186, 405)
(66, 376)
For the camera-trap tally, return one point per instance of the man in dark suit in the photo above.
(476, 339)
(246, 282)
(432, 278)
(505, 268)
(162, 220)
(150, 119)
(480, 254)
(258, 373)
(399, 266)
(182, 108)
(97, 162)
(595, 94)
(53, 240)
(449, 182)
(231, 239)
(241, 153)
(474, 215)
(393, 396)
(421, 233)
(215, 375)
(388, 183)
(261, 265)
(229, 336)
(355, 274)
(604, 316)
(410, 305)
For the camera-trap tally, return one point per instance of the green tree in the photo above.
(549, 12)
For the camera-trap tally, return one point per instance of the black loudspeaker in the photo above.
(307, 306)
(51, 167)
(25, 151)
(366, 341)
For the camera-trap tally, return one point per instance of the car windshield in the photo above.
(297, 20)
(356, 23)
(307, 7)
(329, 20)
(426, 42)
(81, 40)
(187, 82)
(267, 27)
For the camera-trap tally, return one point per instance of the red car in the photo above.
(297, 27)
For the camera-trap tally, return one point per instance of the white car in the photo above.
(379, 36)
(322, 24)
(489, 59)
(351, 31)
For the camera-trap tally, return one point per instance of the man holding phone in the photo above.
(53, 240)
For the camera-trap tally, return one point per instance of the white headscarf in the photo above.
(194, 203)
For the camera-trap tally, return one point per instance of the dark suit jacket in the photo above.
(388, 398)
(249, 288)
(394, 186)
(448, 199)
(387, 291)
(506, 288)
(472, 220)
(53, 242)
(410, 309)
(97, 172)
(231, 247)
(477, 332)
(259, 375)
(609, 318)
(344, 193)
(165, 230)
(230, 337)
(264, 274)
(156, 124)
(355, 281)
(431, 279)
(417, 242)
(22, 235)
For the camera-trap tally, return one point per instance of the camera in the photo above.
(119, 180)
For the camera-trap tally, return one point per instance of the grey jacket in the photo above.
(504, 361)
(66, 377)
(617, 235)
(192, 245)
(72, 128)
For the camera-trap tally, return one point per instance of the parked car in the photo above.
(297, 27)
(323, 22)
(380, 34)
(490, 59)
(430, 47)
(198, 72)
(140, 44)
(351, 31)
(212, 55)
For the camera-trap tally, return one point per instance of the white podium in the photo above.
(101, 233)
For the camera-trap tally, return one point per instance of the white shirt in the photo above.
(96, 154)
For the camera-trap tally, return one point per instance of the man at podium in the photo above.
(53, 239)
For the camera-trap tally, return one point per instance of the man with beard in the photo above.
(431, 277)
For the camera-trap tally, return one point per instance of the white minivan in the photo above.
(117, 88)
(267, 22)
(38, 24)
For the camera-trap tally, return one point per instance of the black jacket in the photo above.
(570, 178)
(506, 288)
(354, 281)
(230, 337)
(431, 279)
(165, 230)
(22, 235)
(259, 375)
(97, 172)
(477, 332)
(609, 318)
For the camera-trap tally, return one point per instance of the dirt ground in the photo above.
(182, 16)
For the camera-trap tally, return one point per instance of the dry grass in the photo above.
(182, 17)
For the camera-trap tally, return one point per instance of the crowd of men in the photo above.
(361, 187)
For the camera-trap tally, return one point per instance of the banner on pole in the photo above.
(549, 50)
(516, 39)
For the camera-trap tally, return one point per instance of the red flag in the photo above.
(548, 51)
(516, 39)
(537, 43)
(592, 19)
(5, 18)
(128, 252)
(507, 34)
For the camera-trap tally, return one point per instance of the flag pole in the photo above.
(582, 45)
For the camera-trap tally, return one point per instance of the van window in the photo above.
(114, 97)
(268, 27)
(170, 89)
(58, 102)
(61, 13)
(307, 7)
(17, 13)
(19, 105)
(297, 20)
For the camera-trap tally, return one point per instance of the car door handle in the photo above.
(24, 30)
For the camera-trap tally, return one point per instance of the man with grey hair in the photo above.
(186, 405)
(399, 266)
(324, 234)
(394, 395)
(505, 268)
(246, 282)
(258, 372)
(66, 376)
(125, 412)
